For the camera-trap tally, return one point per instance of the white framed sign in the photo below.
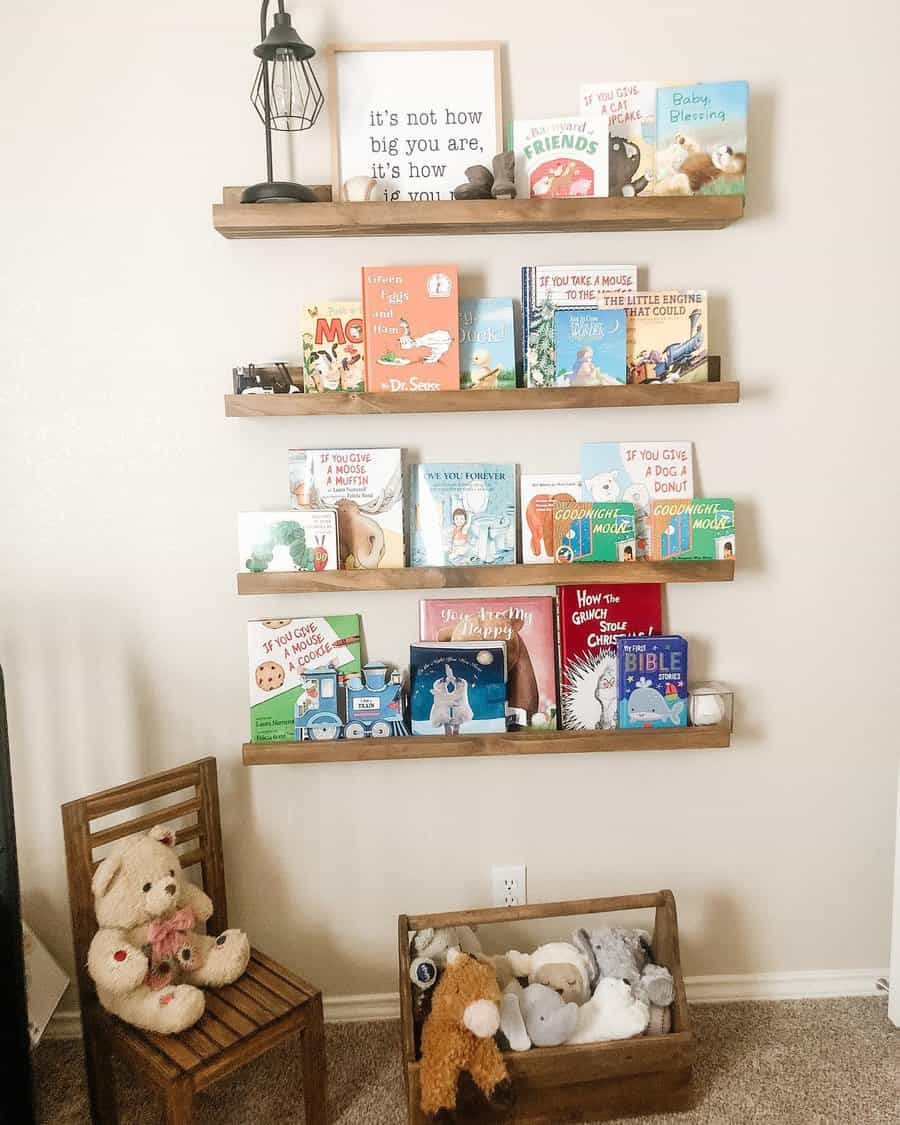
(407, 119)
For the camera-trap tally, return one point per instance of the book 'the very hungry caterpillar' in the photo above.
(701, 146)
(457, 687)
(281, 650)
(545, 289)
(538, 493)
(526, 625)
(591, 618)
(411, 318)
(692, 529)
(630, 112)
(487, 344)
(589, 532)
(590, 347)
(652, 675)
(365, 488)
(666, 335)
(639, 472)
(334, 354)
(286, 541)
(463, 514)
(561, 157)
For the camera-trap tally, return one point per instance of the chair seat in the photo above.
(265, 1004)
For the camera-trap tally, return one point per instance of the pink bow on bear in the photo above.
(167, 937)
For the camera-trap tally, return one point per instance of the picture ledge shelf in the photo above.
(234, 219)
(471, 402)
(450, 577)
(717, 737)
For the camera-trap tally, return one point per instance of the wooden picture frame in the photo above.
(335, 51)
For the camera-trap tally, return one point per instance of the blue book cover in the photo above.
(701, 139)
(457, 687)
(487, 344)
(463, 514)
(652, 681)
(590, 347)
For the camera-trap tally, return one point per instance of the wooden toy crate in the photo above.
(588, 1082)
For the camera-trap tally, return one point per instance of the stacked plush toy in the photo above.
(602, 985)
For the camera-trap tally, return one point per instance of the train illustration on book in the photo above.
(373, 704)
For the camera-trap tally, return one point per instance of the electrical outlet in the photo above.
(509, 886)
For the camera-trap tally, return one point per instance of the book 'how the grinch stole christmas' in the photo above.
(334, 353)
(692, 529)
(666, 335)
(590, 532)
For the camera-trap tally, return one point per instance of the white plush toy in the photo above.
(613, 1012)
(436, 944)
(558, 965)
(146, 959)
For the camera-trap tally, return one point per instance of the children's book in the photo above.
(334, 353)
(629, 109)
(590, 347)
(526, 625)
(281, 651)
(45, 983)
(701, 145)
(457, 687)
(548, 288)
(590, 532)
(666, 334)
(411, 318)
(591, 618)
(561, 157)
(653, 675)
(365, 488)
(487, 344)
(692, 529)
(538, 493)
(463, 515)
(282, 541)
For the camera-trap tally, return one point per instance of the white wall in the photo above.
(121, 635)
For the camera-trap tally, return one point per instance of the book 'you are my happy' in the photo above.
(652, 681)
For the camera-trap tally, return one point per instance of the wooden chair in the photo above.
(242, 1021)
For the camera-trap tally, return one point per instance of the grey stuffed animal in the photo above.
(627, 955)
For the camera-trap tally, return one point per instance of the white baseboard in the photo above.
(813, 985)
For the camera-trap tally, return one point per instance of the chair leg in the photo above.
(312, 1045)
(101, 1077)
(180, 1102)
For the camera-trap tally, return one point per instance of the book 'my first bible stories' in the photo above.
(487, 344)
(538, 493)
(692, 529)
(701, 139)
(545, 289)
(281, 650)
(629, 109)
(589, 532)
(561, 157)
(590, 347)
(365, 488)
(652, 677)
(411, 318)
(463, 515)
(666, 335)
(591, 618)
(334, 352)
(526, 625)
(457, 687)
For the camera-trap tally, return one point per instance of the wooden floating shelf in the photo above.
(470, 402)
(326, 219)
(716, 737)
(451, 577)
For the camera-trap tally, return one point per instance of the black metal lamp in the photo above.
(286, 95)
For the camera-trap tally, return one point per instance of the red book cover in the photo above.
(411, 316)
(591, 618)
(526, 625)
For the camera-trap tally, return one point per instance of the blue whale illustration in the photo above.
(646, 705)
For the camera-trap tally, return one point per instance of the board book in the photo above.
(561, 157)
(285, 541)
(701, 146)
(590, 619)
(538, 493)
(692, 529)
(334, 353)
(652, 676)
(545, 289)
(364, 487)
(457, 687)
(591, 532)
(590, 347)
(487, 344)
(526, 625)
(666, 335)
(629, 109)
(411, 316)
(463, 514)
(281, 650)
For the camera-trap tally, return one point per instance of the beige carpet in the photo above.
(822, 1062)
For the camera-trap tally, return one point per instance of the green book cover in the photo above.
(692, 529)
(594, 532)
(281, 650)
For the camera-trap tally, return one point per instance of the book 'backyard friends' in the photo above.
(692, 529)
(561, 157)
(487, 344)
(463, 514)
(701, 145)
